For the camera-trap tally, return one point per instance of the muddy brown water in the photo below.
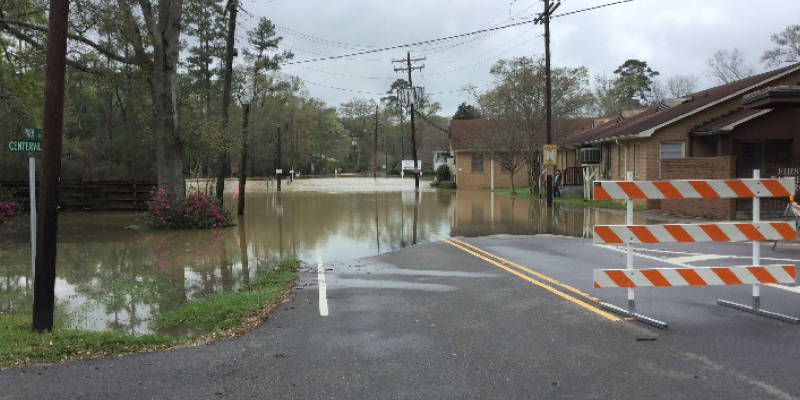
(113, 277)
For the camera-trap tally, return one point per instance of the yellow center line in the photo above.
(547, 278)
(535, 282)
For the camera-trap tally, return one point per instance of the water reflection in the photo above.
(111, 277)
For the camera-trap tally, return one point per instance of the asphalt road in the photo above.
(451, 321)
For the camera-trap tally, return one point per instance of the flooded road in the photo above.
(113, 277)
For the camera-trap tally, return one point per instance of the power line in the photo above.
(492, 50)
(591, 8)
(417, 43)
(338, 88)
(486, 60)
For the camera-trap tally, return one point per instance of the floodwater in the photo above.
(113, 277)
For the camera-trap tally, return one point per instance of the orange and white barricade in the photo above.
(756, 231)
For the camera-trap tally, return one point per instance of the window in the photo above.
(670, 150)
(637, 151)
(477, 163)
(505, 163)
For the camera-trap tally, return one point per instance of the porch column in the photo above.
(491, 173)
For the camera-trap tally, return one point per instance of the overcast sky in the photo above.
(673, 36)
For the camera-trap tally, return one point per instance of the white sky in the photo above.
(673, 36)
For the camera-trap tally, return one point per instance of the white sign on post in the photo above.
(409, 164)
(278, 171)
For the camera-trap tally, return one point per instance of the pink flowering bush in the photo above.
(196, 211)
(7, 210)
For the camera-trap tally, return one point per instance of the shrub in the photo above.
(447, 185)
(427, 169)
(8, 207)
(434, 183)
(443, 173)
(395, 170)
(168, 211)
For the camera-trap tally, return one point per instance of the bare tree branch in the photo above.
(101, 49)
(35, 44)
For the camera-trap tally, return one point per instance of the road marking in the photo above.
(323, 292)
(677, 262)
(535, 282)
(700, 257)
(547, 278)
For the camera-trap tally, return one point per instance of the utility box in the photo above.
(591, 155)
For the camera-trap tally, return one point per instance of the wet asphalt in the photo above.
(432, 321)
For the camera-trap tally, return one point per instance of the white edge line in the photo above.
(323, 292)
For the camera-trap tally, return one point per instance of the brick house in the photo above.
(474, 171)
(719, 133)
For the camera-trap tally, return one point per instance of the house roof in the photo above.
(645, 123)
(771, 97)
(462, 131)
(727, 122)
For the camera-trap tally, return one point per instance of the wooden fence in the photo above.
(93, 195)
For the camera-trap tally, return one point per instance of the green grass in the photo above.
(211, 315)
(19, 346)
(224, 311)
(572, 201)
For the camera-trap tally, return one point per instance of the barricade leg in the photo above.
(756, 308)
(631, 312)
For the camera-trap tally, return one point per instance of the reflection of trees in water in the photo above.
(15, 283)
(125, 277)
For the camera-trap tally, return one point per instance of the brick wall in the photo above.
(699, 168)
(466, 179)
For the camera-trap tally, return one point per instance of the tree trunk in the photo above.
(224, 157)
(169, 27)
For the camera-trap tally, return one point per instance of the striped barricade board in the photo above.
(694, 189)
(630, 278)
(691, 233)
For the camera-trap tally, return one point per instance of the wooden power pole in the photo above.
(227, 79)
(52, 129)
(549, 8)
(409, 68)
(375, 152)
(243, 157)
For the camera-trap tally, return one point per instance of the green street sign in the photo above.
(33, 134)
(25, 146)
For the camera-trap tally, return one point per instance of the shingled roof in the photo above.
(644, 124)
(462, 131)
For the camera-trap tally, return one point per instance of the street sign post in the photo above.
(31, 144)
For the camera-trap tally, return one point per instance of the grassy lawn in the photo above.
(219, 313)
(573, 201)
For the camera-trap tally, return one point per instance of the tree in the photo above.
(516, 106)
(682, 85)
(788, 47)
(635, 80)
(467, 112)
(609, 98)
(727, 66)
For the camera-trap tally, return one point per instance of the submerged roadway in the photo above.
(491, 317)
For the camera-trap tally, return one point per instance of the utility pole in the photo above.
(549, 8)
(291, 146)
(52, 129)
(243, 157)
(375, 153)
(409, 68)
(278, 160)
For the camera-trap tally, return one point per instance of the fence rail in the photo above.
(92, 195)
(573, 176)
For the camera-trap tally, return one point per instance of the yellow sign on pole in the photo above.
(550, 154)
